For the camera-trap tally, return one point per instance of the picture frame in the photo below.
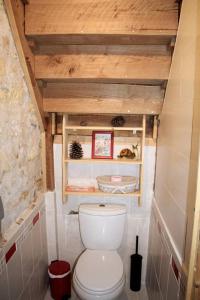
(102, 144)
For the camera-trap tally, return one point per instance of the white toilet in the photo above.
(99, 272)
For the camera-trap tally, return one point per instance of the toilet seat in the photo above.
(99, 273)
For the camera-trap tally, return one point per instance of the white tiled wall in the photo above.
(67, 236)
(175, 130)
(162, 283)
(24, 276)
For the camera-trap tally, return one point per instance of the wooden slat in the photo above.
(102, 98)
(111, 68)
(15, 12)
(45, 17)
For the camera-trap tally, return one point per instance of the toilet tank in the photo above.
(102, 225)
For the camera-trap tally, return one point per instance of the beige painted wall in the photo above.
(174, 142)
(20, 144)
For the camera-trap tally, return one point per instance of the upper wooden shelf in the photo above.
(78, 21)
(89, 122)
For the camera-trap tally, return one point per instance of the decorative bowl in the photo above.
(126, 185)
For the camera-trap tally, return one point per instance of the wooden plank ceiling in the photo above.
(102, 56)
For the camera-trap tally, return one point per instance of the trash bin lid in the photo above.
(59, 267)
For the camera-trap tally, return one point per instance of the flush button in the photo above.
(101, 205)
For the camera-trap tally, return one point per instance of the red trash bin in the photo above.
(60, 280)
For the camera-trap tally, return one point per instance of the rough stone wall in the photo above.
(20, 141)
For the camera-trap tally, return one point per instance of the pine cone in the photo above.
(118, 121)
(75, 151)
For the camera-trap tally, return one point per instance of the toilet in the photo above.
(99, 272)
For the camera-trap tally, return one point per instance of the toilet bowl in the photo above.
(99, 275)
(99, 272)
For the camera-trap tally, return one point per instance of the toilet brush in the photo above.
(136, 269)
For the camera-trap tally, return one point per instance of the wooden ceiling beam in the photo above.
(102, 98)
(101, 22)
(47, 17)
(106, 68)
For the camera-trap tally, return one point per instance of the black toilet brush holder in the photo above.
(136, 270)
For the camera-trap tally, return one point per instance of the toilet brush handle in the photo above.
(136, 244)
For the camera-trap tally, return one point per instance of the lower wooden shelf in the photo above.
(99, 193)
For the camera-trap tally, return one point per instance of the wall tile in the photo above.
(52, 253)
(173, 216)
(51, 227)
(155, 290)
(4, 283)
(35, 285)
(173, 287)
(157, 246)
(26, 295)
(43, 263)
(161, 281)
(164, 270)
(149, 270)
(25, 273)
(36, 243)
(27, 258)
(43, 276)
(50, 201)
(43, 231)
(15, 280)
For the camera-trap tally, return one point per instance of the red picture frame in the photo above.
(102, 144)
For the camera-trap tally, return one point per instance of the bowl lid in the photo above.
(99, 270)
(99, 209)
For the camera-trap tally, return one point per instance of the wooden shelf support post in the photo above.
(142, 159)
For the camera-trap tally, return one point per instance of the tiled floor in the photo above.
(142, 295)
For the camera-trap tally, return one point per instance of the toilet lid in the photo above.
(99, 270)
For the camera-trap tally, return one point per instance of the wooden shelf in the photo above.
(108, 161)
(104, 128)
(99, 193)
(71, 126)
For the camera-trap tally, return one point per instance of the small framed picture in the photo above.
(102, 144)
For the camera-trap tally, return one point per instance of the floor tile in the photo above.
(142, 295)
